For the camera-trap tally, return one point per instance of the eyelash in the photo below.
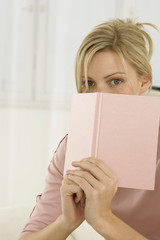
(112, 85)
(116, 79)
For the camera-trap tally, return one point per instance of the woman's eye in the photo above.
(90, 83)
(115, 81)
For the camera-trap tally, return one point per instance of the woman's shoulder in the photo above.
(62, 144)
(57, 162)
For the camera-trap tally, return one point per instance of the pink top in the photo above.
(138, 208)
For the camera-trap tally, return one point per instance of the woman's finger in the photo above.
(83, 184)
(70, 188)
(94, 182)
(97, 168)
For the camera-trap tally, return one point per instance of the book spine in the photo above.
(96, 125)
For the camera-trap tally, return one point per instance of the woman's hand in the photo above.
(99, 185)
(72, 203)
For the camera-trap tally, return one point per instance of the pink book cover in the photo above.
(121, 130)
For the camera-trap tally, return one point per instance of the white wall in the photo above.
(28, 139)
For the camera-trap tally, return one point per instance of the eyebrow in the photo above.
(114, 74)
(109, 75)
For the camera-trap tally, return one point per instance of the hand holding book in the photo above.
(99, 184)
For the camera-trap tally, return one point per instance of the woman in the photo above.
(113, 58)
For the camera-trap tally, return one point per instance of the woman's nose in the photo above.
(101, 88)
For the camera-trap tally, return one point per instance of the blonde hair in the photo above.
(125, 37)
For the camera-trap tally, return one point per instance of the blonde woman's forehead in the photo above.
(106, 62)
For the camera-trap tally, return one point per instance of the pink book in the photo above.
(121, 130)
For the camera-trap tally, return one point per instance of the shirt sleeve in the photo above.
(48, 204)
